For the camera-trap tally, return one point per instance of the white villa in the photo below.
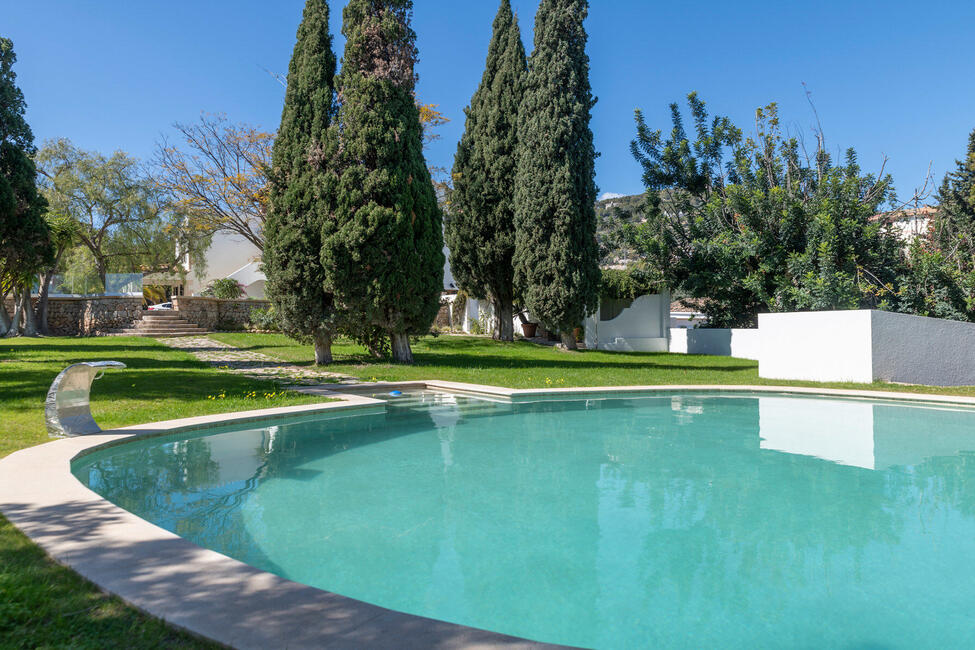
(232, 256)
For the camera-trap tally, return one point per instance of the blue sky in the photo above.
(890, 78)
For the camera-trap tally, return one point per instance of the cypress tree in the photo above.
(556, 254)
(299, 188)
(480, 226)
(383, 246)
(25, 241)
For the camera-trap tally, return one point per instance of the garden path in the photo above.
(253, 364)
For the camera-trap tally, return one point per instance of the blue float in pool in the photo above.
(395, 393)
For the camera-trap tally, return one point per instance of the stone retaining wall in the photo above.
(88, 316)
(213, 313)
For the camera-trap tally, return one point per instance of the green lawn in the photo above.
(525, 365)
(43, 604)
(46, 605)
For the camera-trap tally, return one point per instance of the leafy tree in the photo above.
(301, 186)
(480, 227)
(556, 255)
(25, 245)
(940, 278)
(64, 235)
(121, 217)
(383, 247)
(753, 225)
(953, 226)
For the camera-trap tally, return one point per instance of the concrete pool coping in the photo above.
(227, 601)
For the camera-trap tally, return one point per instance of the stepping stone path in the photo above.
(253, 364)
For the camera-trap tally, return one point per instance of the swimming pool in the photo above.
(614, 522)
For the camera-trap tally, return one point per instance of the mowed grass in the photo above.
(525, 365)
(42, 604)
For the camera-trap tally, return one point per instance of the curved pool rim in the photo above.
(216, 597)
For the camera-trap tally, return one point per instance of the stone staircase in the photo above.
(162, 324)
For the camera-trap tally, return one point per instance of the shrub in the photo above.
(224, 289)
(265, 320)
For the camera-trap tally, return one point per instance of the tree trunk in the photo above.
(29, 327)
(323, 349)
(569, 340)
(4, 316)
(401, 347)
(42, 301)
(504, 329)
(102, 272)
(15, 323)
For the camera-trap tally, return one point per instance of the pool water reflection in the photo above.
(682, 521)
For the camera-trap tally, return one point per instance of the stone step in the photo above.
(162, 333)
(152, 316)
(187, 326)
(163, 325)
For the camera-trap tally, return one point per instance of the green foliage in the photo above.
(479, 228)
(265, 320)
(953, 227)
(556, 255)
(753, 225)
(458, 307)
(383, 249)
(303, 163)
(628, 284)
(940, 278)
(25, 243)
(120, 216)
(224, 289)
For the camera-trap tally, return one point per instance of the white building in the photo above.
(232, 256)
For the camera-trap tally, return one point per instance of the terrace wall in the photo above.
(213, 313)
(88, 316)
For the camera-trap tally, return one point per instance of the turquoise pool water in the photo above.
(674, 521)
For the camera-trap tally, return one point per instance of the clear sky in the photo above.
(892, 78)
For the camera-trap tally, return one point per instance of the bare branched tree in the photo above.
(219, 175)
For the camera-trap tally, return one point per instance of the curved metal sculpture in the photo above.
(67, 409)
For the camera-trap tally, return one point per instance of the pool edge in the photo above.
(216, 597)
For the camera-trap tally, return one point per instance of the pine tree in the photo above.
(480, 228)
(299, 188)
(556, 254)
(383, 247)
(25, 242)
(953, 227)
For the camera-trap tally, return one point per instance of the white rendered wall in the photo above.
(738, 343)
(816, 346)
(227, 254)
(644, 326)
(866, 346)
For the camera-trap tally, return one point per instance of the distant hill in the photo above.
(631, 204)
(611, 217)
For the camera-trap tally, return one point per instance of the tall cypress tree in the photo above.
(383, 247)
(25, 241)
(299, 188)
(480, 227)
(556, 255)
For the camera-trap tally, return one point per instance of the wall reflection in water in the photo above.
(685, 521)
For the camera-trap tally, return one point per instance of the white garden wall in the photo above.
(866, 346)
(739, 343)
(640, 326)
